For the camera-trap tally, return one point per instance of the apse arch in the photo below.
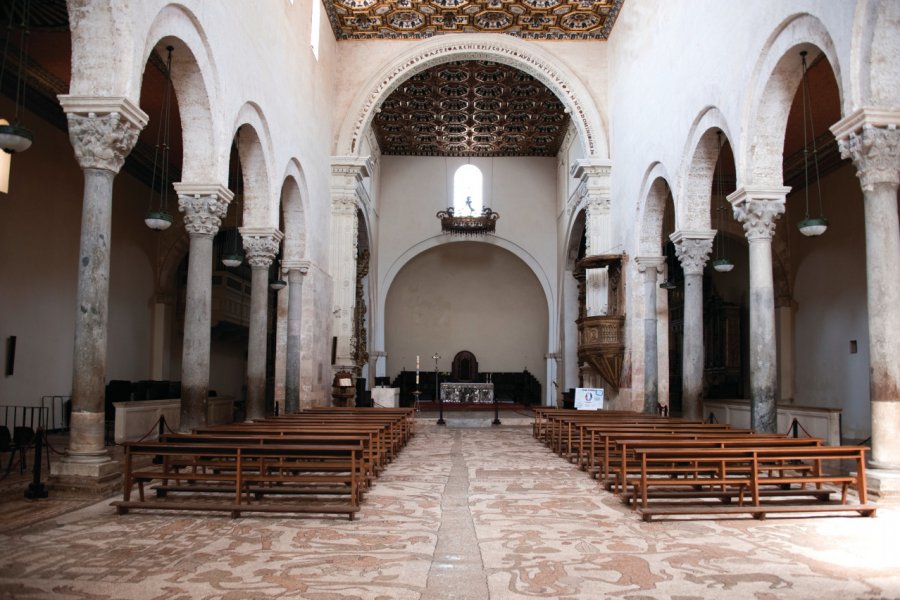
(588, 120)
(195, 82)
(776, 76)
(530, 261)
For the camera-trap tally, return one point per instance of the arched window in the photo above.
(468, 196)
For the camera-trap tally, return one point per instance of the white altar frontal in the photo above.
(467, 392)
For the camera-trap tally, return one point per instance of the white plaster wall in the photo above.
(467, 296)
(830, 291)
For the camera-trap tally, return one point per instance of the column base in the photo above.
(72, 478)
(884, 484)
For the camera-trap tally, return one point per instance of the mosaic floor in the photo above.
(462, 513)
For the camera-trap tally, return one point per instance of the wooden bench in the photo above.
(744, 470)
(245, 472)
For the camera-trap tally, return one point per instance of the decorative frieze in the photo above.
(692, 249)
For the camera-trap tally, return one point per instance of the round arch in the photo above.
(439, 240)
(874, 69)
(255, 150)
(293, 206)
(775, 79)
(506, 50)
(653, 192)
(195, 81)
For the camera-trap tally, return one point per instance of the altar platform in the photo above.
(476, 414)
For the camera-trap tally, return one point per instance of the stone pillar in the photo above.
(102, 131)
(650, 266)
(163, 309)
(594, 186)
(870, 137)
(261, 247)
(347, 193)
(296, 270)
(204, 206)
(758, 209)
(692, 249)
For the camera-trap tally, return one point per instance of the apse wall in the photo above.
(467, 296)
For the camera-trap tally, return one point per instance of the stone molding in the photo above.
(693, 249)
(758, 209)
(204, 206)
(643, 263)
(261, 245)
(496, 49)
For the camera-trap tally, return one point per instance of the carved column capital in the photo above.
(301, 266)
(102, 130)
(876, 153)
(343, 205)
(204, 206)
(758, 209)
(261, 245)
(692, 249)
(654, 263)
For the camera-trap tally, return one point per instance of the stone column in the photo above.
(758, 209)
(347, 193)
(102, 131)
(692, 249)
(261, 247)
(296, 270)
(204, 206)
(650, 266)
(870, 137)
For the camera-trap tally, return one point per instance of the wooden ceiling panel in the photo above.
(533, 19)
(471, 108)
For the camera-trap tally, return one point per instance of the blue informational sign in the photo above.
(589, 398)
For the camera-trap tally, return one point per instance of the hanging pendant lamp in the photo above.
(810, 226)
(157, 216)
(722, 263)
(14, 136)
(278, 283)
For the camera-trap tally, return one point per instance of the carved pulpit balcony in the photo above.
(601, 338)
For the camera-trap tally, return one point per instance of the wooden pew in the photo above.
(245, 472)
(747, 469)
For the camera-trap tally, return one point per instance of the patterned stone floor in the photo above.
(462, 513)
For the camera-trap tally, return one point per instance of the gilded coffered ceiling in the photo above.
(534, 19)
(471, 108)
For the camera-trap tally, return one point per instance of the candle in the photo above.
(417, 369)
